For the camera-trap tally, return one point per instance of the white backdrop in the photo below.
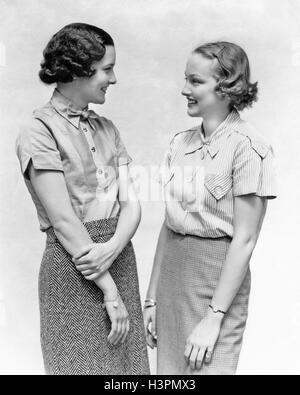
(153, 39)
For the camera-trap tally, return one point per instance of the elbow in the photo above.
(60, 224)
(246, 241)
(134, 207)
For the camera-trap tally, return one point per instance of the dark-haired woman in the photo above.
(76, 169)
(217, 178)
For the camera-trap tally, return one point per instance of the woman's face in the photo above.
(93, 89)
(200, 87)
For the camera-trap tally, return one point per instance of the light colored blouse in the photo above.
(87, 148)
(202, 176)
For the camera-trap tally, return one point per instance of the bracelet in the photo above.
(216, 310)
(149, 303)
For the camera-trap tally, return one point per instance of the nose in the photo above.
(113, 79)
(186, 90)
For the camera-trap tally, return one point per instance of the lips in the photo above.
(191, 101)
(104, 89)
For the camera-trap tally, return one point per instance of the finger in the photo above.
(124, 327)
(208, 355)
(84, 260)
(84, 250)
(87, 272)
(119, 333)
(93, 268)
(149, 339)
(153, 326)
(92, 277)
(200, 358)
(112, 335)
(81, 268)
(193, 357)
(187, 352)
(126, 331)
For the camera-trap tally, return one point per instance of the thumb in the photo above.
(153, 325)
(208, 354)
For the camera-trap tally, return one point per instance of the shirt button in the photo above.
(93, 149)
(100, 171)
(84, 129)
(201, 154)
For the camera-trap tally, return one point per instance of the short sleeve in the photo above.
(122, 154)
(36, 144)
(253, 170)
(162, 175)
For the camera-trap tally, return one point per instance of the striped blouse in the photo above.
(201, 176)
(88, 150)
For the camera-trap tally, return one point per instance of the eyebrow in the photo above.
(109, 65)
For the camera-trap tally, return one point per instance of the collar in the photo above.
(66, 108)
(214, 141)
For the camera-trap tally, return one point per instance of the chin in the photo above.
(193, 113)
(98, 101)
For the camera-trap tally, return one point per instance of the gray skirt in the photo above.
(191, 268)
(75, 326)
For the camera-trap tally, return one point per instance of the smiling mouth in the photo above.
(191, 101)
(103, 90)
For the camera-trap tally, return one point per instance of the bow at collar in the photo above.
(84, 114)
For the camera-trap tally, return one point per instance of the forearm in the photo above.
(151, 293)
(233, 272)
(129, 219)
(73, 236)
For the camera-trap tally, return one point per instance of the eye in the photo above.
(193, 80)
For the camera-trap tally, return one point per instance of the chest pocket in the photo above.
(106, 177)
(218, 184)
(184, 184)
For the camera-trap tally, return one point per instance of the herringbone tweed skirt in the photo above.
(75, 326)
(191, 268)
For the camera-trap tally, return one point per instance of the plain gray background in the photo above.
(153, 39)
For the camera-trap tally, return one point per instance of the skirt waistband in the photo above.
(100, 227)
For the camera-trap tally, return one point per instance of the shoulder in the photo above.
(32, 132)
(107, 123)
(44, 112)
(30, 126)
(183, 137)
(247, 137)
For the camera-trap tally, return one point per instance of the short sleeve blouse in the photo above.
(88, 150)
(202, 176)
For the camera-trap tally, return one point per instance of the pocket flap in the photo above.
(218, 184)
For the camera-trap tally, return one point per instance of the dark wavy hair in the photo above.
(72, 51)
(232, 72)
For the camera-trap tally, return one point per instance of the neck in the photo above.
(71, 92)
(213, 120)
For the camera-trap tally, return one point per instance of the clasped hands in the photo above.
(94, 259)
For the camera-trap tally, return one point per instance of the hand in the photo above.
(201, 342)
(94, 259)
(149, 314)
(118, 315)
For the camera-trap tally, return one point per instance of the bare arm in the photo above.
(129, 219)
(130, 211)
(51, 189)
(249, 212)
(68, 228)
(151, 293)
(150, 312)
